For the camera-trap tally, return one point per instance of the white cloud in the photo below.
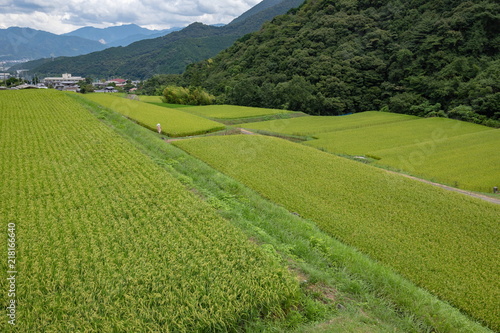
(60, 16)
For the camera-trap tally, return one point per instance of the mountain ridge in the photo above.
(169, 54)
(18, 42)
(121, 35)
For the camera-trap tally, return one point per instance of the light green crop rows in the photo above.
(234, 111)
(173, 122)
(106, 241)
(362, 141)
(470, 161)
(150, 99)
(443, 241)
(313, 125)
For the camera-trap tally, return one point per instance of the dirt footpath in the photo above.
(449, 188)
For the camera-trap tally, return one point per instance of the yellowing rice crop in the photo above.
(106, 241)
(443, 241)
(470, 161)
(365, 140)
(150, 99)
(173, 122)
(234, 111)
(313, 125)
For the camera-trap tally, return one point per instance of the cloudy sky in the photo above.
(60, 16)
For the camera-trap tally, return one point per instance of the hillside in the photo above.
(164, 55)
(18, 43)
(329, 57)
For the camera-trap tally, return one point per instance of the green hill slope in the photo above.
(335, 57)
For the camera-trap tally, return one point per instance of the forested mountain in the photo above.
(18, 43)
(334, 57)
(168, 54)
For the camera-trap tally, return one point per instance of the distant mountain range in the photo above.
(169, 54)
(26, 43)
(122, 35)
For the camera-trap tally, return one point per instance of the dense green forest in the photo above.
(428, 58)
(164, 55)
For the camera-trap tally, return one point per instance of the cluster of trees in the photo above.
(188, 96)
(438, 58)
(11, 82)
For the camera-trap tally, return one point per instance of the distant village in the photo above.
(67, 82)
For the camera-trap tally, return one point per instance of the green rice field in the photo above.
(104, 240)
(174, 123)
(312, 125)
(363, 141)
(234, 111)
(443, 241)
(470, 161)
(150, 99)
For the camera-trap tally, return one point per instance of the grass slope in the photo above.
(314, 124)
(362, 141)
(174, 123)
(443, 241)
(107, 241)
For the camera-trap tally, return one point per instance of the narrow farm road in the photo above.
(449, 188)
(244, 131)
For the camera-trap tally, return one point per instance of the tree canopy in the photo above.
(336, 57)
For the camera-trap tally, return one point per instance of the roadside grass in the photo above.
(174, 123)
(344, 290)
(448, 238)
(313, 125)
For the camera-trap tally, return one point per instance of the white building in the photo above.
(65, 80)
(4, 76)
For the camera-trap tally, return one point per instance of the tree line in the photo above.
(438, 58)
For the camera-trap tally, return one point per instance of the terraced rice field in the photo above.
(150, 99)
(174, 123)
(443, 241)
(234, 111)
(470, 161)
(312, 125)
(365, 141)
(107, 241)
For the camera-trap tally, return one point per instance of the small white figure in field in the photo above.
(158, 127)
